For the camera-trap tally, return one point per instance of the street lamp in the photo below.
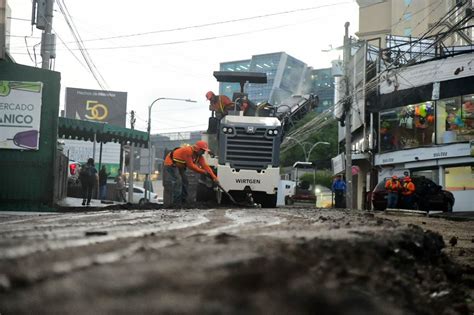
(148, 176)
(302, 144)
(314, 146)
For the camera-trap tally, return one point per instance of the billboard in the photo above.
(20, 115)
(100, 106)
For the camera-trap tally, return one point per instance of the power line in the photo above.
(18, 19)
(217, 23)
(206, 25)
(374, 81)
(319, 122)
(90, 64)
(197, 39)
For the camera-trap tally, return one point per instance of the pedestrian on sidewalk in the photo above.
(88, 178)
(339, 189)
(103, 175)
(393, 187)
(120, 188)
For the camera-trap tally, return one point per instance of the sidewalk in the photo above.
(455, 216)
(71, 202)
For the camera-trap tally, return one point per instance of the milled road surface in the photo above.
(234, 261)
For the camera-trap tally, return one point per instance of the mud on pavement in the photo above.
(285, 261)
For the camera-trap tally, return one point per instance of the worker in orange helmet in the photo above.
(408, 191)
(220, 104)
(175, 165)
(393, 187)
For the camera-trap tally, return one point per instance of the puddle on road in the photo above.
(247, 219)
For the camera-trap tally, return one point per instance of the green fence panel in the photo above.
(27, 176)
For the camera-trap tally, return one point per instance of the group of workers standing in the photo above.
(395, 188)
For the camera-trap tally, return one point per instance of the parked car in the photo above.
(303, 192)
(139, 196)
(73, 171)
(428, 196)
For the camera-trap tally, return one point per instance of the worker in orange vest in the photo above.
(408, 192)
(220, 104)
(393, 187)
(176, 163)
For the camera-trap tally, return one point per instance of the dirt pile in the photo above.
(399, 274)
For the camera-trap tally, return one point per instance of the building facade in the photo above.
(426, 125)
(412, 18)
(286, 76)
(321, 83)
(412, 111)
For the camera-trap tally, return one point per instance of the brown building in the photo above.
(378, 18)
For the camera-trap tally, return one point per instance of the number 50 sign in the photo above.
(96, 111)
(103, 106)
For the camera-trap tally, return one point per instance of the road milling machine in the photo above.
(245, 147)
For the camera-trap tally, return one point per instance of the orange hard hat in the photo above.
(202, 145)
(395, 177)
(209, 95)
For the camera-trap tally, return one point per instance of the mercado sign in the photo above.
(20, 115)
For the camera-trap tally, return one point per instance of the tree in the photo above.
(321, 152)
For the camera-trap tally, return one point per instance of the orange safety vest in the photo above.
(408, 189)
(392, 186)
(185, 157)
(222, 104)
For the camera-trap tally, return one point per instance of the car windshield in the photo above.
(380, 185)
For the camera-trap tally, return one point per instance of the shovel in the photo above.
(230, 196)
(225, 192)
(241, 204)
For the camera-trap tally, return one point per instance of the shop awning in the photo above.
(85, 130)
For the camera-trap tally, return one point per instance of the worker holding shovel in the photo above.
(175, 166)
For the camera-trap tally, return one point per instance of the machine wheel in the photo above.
(449, 207)
(204, 193)
(289, 201)
(142, 201)
(269, 201)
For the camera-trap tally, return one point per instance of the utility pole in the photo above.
(42, 16)
(348, 116)
(131, 160)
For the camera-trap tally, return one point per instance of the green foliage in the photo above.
(321, 152)
(323, 178)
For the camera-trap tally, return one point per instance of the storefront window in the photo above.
(407, 127)
(459, 178)
(455, 119)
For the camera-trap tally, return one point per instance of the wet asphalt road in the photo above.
(287, 260)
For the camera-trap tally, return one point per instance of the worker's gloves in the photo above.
(215, 181)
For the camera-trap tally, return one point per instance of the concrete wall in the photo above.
(464, 200)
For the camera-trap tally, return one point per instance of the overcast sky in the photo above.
(179, 63)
